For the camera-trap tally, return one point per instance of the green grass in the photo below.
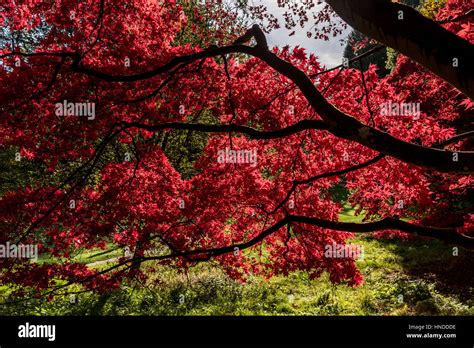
(91, 256)
(86, 256)
(348, 214)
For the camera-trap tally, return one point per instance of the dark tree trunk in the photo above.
(410, 33)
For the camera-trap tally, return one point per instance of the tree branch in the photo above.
(232, 128)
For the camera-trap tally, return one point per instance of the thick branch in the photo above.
(448, 235)
(347, 127)
(445, 234)
(233, 128)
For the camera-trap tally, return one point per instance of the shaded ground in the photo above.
(450, 274)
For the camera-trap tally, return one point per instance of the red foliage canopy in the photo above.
(283, 133)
